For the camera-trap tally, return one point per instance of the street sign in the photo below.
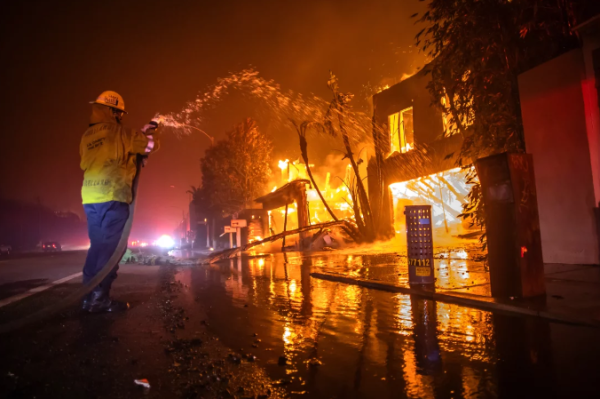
(237, 223)
(229, 229)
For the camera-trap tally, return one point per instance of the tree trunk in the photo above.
(304, 151)
(362, 193)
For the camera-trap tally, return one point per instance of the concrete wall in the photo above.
(554, 119)
(591, 55)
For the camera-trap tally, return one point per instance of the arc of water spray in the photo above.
(171, 122)
(212, 139)
(285, 105)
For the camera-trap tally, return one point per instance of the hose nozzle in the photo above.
(158, 120)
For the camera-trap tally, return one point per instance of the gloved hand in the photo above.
(150, 127)
(149, 131)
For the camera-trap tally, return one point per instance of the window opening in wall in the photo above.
(394, 132)
(402, 135)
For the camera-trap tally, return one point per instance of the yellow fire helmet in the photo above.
(110, 99)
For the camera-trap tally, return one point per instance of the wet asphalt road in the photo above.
(262, 327)
(21, 273)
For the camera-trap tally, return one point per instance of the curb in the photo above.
(469, 300)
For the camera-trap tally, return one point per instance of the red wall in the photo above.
(554, 119)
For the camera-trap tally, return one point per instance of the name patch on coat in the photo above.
(91, 183)
(95, 143)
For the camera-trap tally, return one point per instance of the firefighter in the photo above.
(109, 154)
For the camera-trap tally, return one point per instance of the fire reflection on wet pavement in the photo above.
(325, 339)
(452, 269)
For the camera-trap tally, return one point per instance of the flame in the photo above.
(255, 238)
(335, 190)
(288, 336)
(312, 195)
(316, 218)
(407, 75)
(379, 89)
(462, 254)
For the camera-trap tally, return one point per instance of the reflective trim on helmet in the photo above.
(150, 145)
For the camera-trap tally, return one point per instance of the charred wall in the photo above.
(432, 148)
(411, 92)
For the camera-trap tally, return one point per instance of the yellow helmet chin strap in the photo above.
(118, 114)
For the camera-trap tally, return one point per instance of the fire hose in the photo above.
(76, 295)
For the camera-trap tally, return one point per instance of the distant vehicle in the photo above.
(51, 246)
(5, 249)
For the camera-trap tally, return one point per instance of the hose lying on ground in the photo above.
(84, 289)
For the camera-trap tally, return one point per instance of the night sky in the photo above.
(57, 56)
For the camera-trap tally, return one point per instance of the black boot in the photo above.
(85, 303)
(100, 302)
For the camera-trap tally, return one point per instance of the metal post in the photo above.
(207, 234)
(213, 239)
(230, 240)
(238, 237)
(284, 228)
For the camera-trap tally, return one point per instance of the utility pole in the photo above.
(39, 212)
(207, 233)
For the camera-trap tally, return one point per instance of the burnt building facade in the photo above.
(415, 158)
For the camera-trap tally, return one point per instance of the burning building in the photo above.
(296, 204)
(415, 160)
(413, 164)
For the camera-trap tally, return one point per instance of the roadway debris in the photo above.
(143, 382)
(348, 227)
(199, 364)
(136, 256)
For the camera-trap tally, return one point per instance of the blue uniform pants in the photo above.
(106, 221)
